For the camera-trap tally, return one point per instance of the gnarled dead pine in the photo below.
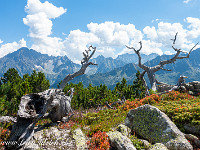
(52, 103)
(85, 63)
(151, 70)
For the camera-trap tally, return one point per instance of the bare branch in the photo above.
(139, 57)
(174, 40)
(85, 63)
(151, 70)
(7, 119)
(166, 69)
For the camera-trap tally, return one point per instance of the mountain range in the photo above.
(189, 67)
(109, 71)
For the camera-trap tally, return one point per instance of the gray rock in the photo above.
(193, 139)
(51, 138)
(189, 87)
(158, 146)
(80, 139)
(145, 143)
(119, 141)
(155, 126)
(193, 129)
(124, 130)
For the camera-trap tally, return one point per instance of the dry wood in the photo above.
(151, 70)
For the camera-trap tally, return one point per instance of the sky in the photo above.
(68, 27)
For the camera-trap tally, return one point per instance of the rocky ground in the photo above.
(158, 132)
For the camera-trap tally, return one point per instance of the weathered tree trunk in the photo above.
(52, 103)
(152, 70)
(7, 119)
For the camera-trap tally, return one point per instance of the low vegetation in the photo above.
(91, 114)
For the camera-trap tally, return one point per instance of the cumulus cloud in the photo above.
(194, 26)
(11, 47)
(168, 53)
(40, 26)
(186, 1)
(114, 34)
(167, 31)
(109, 37)
(76, 42)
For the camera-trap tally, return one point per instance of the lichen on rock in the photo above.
(155, 126)
(158, 146)
(120, 141)
(80, 139)
(124, 130)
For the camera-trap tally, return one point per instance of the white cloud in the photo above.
(115, 34)
(39, 20)
(76, 42)
(36, 7)
(106, 51)
(194, 26)
(109, 37)
(11, 47)
(186, 1)
(156, 20)
(167, 53)
(166, 31)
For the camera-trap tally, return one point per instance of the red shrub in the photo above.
(99, 141)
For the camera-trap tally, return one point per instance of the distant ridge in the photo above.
(189, 67)
(26, 60)
(109, 71)
(56, 68)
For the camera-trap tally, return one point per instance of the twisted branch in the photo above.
(85, 63)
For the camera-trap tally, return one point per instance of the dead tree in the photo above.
(85, 63)
(52, 103)
(151, 70)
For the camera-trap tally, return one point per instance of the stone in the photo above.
(126, 131)
(79, 139)
(193, 139)
(119, 141)
(189, 87)
(155, 126)
(51, 138)
(158, 146)
(193, 129)
(145, 143)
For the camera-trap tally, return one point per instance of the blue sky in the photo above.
(67, 27)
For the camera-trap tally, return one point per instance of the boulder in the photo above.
(158, 146)
(126, 131)
(79, 139)
(119, 141)
(155, 126)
